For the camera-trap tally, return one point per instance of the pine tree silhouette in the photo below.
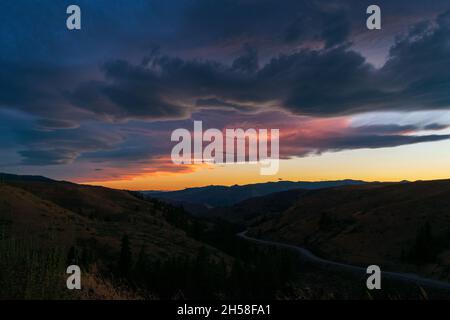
(72, 256)
(125, 260)
(423, 250)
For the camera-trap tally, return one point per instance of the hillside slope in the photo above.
(72, 214)
(199, 200)
(404, 225)
(254, 210)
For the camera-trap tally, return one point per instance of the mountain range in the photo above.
(199, 200)
(402, 226)
(70, 214)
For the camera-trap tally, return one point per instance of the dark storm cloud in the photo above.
(330, 25)
(164, 88)
(324, 82)
(329, 82)
(41, 90)
(371, 141)
(293, 21)
(63, 146)
(51, 74)
(273, 26)
(378, 136)
(111, 28)
(248, 62)
(419, 66)
(416, 76)
(435, 126)
(28, 87)
(48, 157)
(52, 124)
(310, 82)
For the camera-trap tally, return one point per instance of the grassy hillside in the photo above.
(128, 247)
(75, 213)
(44, 220)
(403, 225)
(255, 210)
(198, 200)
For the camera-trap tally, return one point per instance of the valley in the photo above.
(131, 245)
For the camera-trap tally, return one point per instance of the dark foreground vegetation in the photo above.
(30, 270)
(132, 247)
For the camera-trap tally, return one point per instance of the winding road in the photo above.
(309, 256)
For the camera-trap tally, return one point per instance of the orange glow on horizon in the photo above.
(427, 162)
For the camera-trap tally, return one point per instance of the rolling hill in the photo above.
(69, 214)
(254, 210)
(401, 226)
(128, 247)
(199, 200)
(398, 225)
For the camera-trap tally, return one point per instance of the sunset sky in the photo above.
(99, 105)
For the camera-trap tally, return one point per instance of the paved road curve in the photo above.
(309, 256)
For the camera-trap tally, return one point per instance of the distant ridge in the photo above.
(402, 224)
(15, 177)
(75, 214)
(219, 196)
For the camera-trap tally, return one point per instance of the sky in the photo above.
(98, 105)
